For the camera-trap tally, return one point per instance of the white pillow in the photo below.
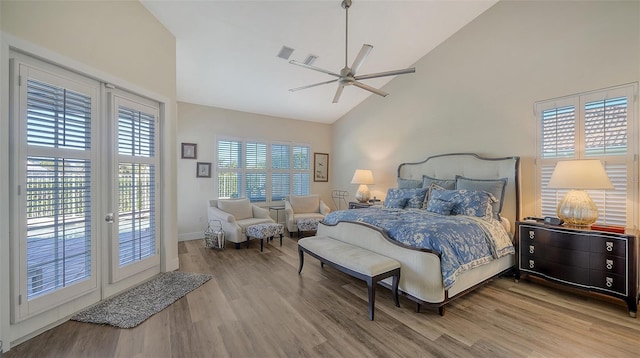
(239, 208)
(305, 204)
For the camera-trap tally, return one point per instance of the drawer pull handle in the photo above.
(609, 264)
(532, 249)
(532, 234)
(532, 264)
(609, 282)
(609, 246)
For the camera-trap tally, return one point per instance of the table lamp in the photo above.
(362, 177)
(577, 208)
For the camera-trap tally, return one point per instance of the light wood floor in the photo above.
(258, 306)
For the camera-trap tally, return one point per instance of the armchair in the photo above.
(303, 207)
(235, 215)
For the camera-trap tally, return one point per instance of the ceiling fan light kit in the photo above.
(348, 75)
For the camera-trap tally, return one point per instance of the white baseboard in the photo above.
(190, 236)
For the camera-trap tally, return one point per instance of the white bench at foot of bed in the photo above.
(354, 261)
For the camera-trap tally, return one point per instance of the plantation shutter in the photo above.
(301, 170)
(54, 169)
(136, 185)
(598, 129)
(280, 171)
(229, 168)
(256, 171)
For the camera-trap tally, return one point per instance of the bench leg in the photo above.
(261, 244)
(301, 254)
(248, 241)
(372, 297)
(394, 289)
(280, 239)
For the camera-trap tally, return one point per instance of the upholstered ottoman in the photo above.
(307, 224)
(264, 231)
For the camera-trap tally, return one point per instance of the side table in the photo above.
(277, 208)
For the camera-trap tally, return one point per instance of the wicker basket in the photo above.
(214, 236)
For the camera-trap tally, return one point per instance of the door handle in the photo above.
(109, 218)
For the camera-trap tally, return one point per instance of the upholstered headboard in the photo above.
(447, 166)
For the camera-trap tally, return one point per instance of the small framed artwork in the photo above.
(320, 167)
(203, 170)
(189, 151)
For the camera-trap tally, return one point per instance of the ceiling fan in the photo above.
(347, 75)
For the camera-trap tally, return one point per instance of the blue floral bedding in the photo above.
(463, 242)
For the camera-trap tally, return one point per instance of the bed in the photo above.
(422, 279)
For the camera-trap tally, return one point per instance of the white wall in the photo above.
(118, 42)
(476, 91)
(201, 124)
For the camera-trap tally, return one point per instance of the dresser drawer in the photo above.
(609, 245)
(609, 282)
(608, 263)
(531, 235)
(568, 274)
(569, 258)
(533, 264)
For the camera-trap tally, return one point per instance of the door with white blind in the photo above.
(134, 234)
(54, 186)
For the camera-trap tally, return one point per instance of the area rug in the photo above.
(134, 306)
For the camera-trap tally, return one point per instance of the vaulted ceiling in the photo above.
(227, 50)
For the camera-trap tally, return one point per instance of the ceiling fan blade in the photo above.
(294, 62)
(370, 89)
(362, 55)
(387, 73)
(313, 85)
(336, 98)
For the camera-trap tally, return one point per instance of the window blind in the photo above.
(58, 188)
(136, 185)
(598, 129)
(269, 171)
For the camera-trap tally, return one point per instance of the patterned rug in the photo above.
(134, 306)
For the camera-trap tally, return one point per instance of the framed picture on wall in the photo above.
(320, 167)
(203, 170)
(189, 150)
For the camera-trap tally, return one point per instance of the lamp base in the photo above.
(577, 209)
(363, 194)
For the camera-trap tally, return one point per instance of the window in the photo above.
(593, 125)
(262, 171)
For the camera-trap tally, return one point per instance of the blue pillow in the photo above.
(445, 183)
(441, 201)
(409, 183)
(397, 203)
(415, 197)
(474, 203)
(496, 187)
(461, 202)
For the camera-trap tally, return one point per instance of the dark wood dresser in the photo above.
(596, 261)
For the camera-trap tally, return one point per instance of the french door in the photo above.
(84, 179)
(134, 235)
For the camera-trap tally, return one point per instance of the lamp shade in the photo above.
(579, 174)
(362, 176)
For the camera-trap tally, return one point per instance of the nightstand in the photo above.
(358, 205)
(596, 261)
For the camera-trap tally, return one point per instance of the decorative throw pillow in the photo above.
(428, 195)
(449, 184)
(409, 183)
(473, 203)
(414, 197)
(238, 208)
(441, 201)
(496, 187)
(397, 203)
